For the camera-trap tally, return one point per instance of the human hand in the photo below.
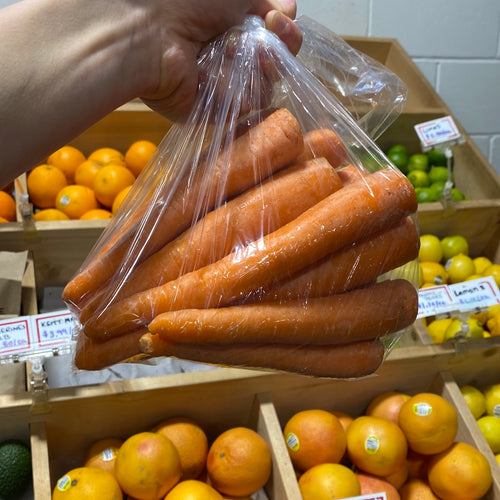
(187, 27)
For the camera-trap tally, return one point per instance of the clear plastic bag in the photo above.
(268, 232)
(372, 93)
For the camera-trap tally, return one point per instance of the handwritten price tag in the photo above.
(53, 328)
(460, 297)
(14, 336)
(439, 131)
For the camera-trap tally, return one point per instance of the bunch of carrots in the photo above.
(281, 272)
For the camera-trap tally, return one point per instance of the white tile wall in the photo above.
(455, 43)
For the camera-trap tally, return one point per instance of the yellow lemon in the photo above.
(481, 263)
(430, 249)
(437, 329)
(493, 270)
(497, 456)
(492, 395)
(475, 400)
(490, 427)
(433, 272)
(470, 329)
(474, 277)
(493, 325)
(493, 310)
(459, 268)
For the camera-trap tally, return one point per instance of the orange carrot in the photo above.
(324, 143)
(245, 218)
(253, 156)
(351, 213)
(93, 354)
(356, 359)
(360, 314)
(350, 173)
(351, 267)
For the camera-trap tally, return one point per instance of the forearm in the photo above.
(64, 65)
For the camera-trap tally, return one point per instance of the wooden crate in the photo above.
(222, 398)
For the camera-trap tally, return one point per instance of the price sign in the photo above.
(435, 300)
(54, 328)
(14, 336)
(440, 131)
(469, 295)
(372, 496)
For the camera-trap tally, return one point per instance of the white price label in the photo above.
(15, 335)
(372, 496)
(437, 131)
(53, 328)
(435, 300)
(469, 295)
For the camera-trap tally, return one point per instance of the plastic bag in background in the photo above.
(268, 232)
(373, 94)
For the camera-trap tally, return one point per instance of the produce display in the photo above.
(404, 445)
(447, 261)
(172, 461)
(428, 173)
(71, 186)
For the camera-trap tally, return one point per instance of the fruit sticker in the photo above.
(64, 483)
(107, 454)
(422, 409)
(292, 441)
(372, 445)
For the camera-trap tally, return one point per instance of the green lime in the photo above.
(425, 194)
(437, 174)
(399, 159)
(453, 245)
(418, 178)
(457, 195)
(15, 468)
(436, 158)
(418, 161)
(398, 148)
(438, 188)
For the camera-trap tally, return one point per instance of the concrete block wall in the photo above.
(455, 43)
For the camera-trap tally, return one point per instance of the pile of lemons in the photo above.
(447, 261)
(484, 404)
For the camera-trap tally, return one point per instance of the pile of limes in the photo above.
(447, 261)
(427, 172)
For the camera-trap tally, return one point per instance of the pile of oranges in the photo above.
(70, 185)
(404, 445)
(172, 461)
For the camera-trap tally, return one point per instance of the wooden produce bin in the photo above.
(223, 398)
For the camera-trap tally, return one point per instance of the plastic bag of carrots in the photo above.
(268, 232)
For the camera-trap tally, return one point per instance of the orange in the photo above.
(327, 481)
(430, 423)
(85, 173)
(90, 483)
(96, 213)
(417, 489)
(109, 181)
(7, 206)
(119, 199)
(3, 219)
(376, 445)
(313, 437)
(74, 200)
(102, 454)
(191, 443)
(138, 155)
(417, 465)
(387, 405)
(67, 159)
(147, 466)
(460, 472)
(191, 489)
(375, 484)
(399, 477)
(239, 462)
(44, 182)
(344, 418)
(105, 156)
(49, 214)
